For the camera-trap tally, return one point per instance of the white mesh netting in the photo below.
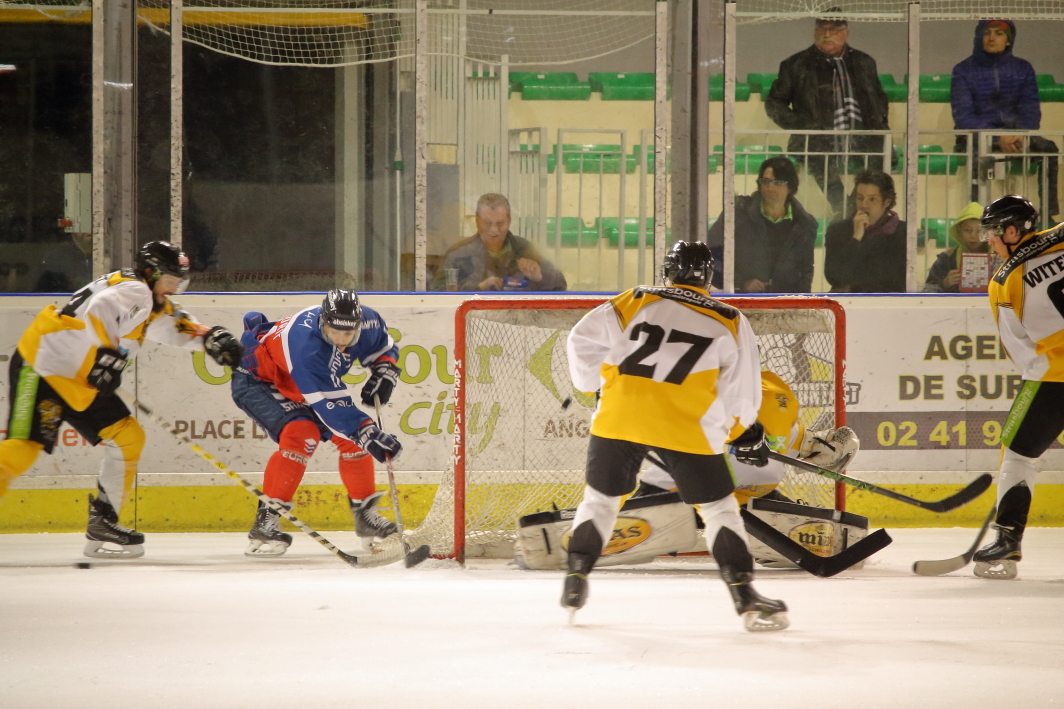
(753, 11)
(524, 454)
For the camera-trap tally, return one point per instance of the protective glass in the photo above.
(986, 233)
(341, 338)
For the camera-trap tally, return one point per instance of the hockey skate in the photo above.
(103, 529)
(266, 537)
(370, 526)
(575, 588)
(998, 559)
(759, 614)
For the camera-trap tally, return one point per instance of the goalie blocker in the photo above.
(660, 524)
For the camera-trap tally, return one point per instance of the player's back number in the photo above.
(633, 364)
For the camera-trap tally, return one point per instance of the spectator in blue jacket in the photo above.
(995, 89)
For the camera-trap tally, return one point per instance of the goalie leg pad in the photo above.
(646, 527)
(822, 531)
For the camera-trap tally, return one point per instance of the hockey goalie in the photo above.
(653, 521)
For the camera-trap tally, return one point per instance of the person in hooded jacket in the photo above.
(993, 88)
(944, 275)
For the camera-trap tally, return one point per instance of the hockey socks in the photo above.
(356, 470)
(16, 457)
(285, 469)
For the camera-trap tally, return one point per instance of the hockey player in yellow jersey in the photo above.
(1027, 297)
(678, 375)
(68, 364)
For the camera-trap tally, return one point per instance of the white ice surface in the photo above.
(196, 625)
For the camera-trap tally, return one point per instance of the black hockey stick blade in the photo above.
(417, 556)
(973, 490)
(823, 566)
(945, 566)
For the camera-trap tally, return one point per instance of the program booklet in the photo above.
(975, 272)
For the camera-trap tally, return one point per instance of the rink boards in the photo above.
(927, 384)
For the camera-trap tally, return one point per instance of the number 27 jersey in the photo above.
(676, 368)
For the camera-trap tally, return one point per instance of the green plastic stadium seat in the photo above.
(761, 83)
(821, 227)
(631, 230)
(896, 93)
(1044, 80)
(935, 229)
(573, 232)
(593, 159)
(1051, 94)
(716, 89)
(555, 86)
(623, 87)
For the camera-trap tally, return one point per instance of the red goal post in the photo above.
(509, 357)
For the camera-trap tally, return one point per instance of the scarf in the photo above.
(887, 224)
(847, 110)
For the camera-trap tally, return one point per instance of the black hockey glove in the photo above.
(751, 447)
(223, 347)
(377, 443)
(106, 372)
(381, 383)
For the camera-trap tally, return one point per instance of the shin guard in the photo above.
(285, 469)
(123, 443)
(356, 470)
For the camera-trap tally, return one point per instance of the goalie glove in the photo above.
(377, 443)
(751, 447)
(223, 347)
(829, 449)
(381, 383)
(106, 372)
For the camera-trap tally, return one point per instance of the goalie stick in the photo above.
(368, 562)
(945, 566)
(410, 558)
(973, 490)
(823, 566)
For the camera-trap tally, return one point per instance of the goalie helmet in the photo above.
(341, 310)
(688, 263)
(163, 258)
(1010, 210)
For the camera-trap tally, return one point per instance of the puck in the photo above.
(83, 565)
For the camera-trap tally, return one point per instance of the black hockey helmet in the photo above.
(164, 259)
(688, 263)
(1003, 212)
(341, 310)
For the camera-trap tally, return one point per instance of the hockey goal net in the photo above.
(516, 451)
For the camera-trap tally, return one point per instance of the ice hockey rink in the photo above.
(196, 624)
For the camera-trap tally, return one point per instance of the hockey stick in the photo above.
(945, 566)
(823, 566)
(410, 558)
(369, 562)
(973, 490)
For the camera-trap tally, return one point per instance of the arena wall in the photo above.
(928, 388)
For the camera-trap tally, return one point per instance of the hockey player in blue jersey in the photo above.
(289, 382)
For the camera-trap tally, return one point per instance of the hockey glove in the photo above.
(377, 443)
(381, 383)
(223, 348)
(106, 372)
(751, 447)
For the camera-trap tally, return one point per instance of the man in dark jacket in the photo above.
(830, 86)
(495, 259)
(865, 253)
(774, 235)
(994, 89)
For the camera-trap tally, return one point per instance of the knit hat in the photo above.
(1004, 26)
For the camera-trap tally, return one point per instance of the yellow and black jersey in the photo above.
(676, 368)
(1027, 297)
(114, 311)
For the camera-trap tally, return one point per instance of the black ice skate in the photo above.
(997, 560)
(103, 530)
(266, 536)
(369, 525)
(759, 614)
(575, 588)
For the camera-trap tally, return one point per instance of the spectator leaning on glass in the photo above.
(495, 259)
(830, 86)
(994, 89)
(774, 235)
(945, 275)
(865, 253)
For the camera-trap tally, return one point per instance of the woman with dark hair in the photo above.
(774, 235)
(865, 253)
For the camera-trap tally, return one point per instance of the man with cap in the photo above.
(830, 86)
(995, 89)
